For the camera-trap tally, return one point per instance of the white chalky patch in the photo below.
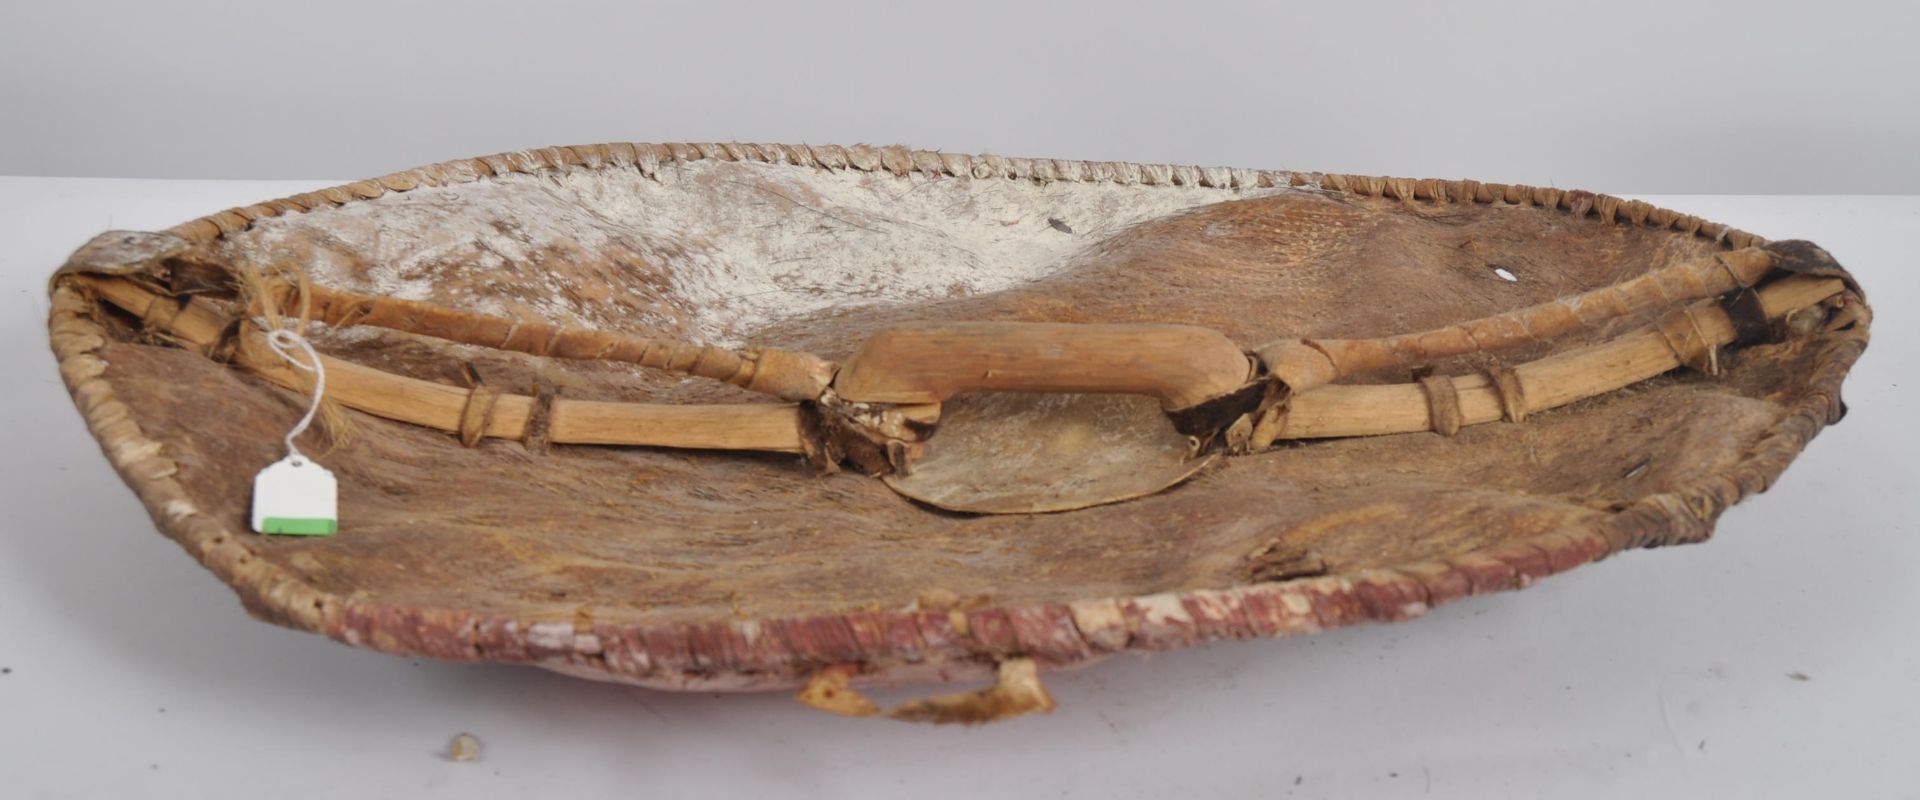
(551, 635)
(1164, 608)
(741, 244)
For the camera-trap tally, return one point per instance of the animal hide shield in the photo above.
(657, 413)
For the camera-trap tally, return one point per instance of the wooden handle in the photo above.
(1326, 411)
(1181, 365)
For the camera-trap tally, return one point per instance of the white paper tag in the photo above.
(296, 497)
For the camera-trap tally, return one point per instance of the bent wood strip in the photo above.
(754, 426)
(786, 374)
(1308, 363)
(760, 426)
(1550, 382)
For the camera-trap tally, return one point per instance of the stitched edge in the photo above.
(649, 159)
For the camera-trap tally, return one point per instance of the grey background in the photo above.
(1645, 97)
(1775, 661)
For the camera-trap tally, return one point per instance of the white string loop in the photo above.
(283, 341)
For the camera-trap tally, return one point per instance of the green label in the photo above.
(296, 526)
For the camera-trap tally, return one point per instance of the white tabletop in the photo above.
(1778, 660)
